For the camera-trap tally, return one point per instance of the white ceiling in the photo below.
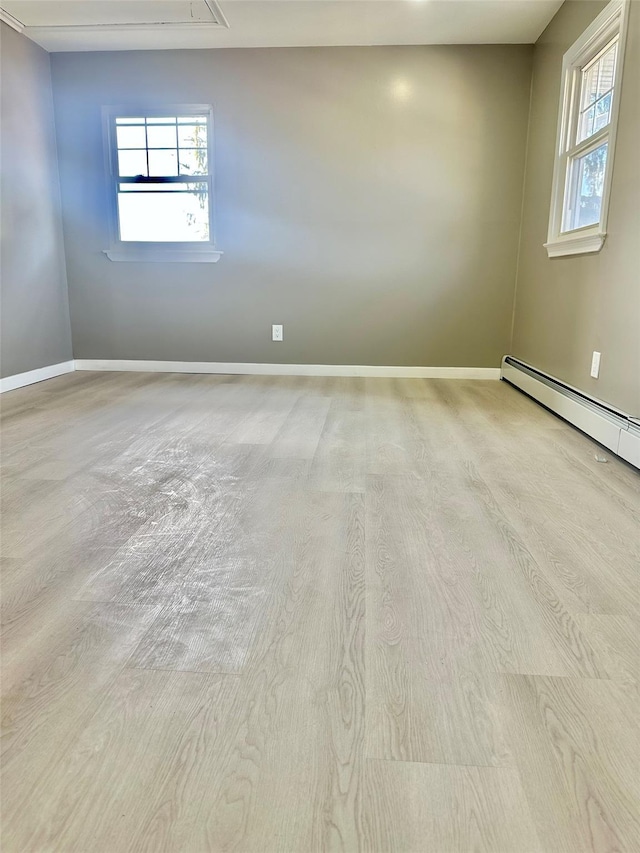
(61, 25)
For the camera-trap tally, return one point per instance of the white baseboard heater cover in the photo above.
(615, 430)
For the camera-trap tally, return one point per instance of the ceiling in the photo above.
(62, 25)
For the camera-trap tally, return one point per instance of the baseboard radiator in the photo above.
(618, 431)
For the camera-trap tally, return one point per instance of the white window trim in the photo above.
(161, 252)
(591, 238)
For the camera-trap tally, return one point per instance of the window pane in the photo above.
(161, 120)
(597, 94)
(192, 119)
(587, 183)
(127, 120)
(163, 163)
(192, 136)
(162, 136)
(607, 71)
(603, 112)
(597, 78)
(595, 118)
(159, 216)
(193, 161)
(587, 121)
(131, 163)
(131, 137)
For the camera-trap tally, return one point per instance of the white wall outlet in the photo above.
(595, 365)
(276, 333)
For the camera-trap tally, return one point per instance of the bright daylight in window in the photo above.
(582, 175)
(588, 163)
(161, 180)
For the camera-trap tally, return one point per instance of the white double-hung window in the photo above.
(589, 103)
(160, 175)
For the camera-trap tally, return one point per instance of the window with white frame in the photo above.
(161, 184)
(589, 102)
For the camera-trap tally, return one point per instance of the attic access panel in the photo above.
(113, 13)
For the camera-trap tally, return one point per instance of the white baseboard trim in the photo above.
(288, 369)
(19, 380)
(607, 425)
(629, 446)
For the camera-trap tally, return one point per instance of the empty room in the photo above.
(320, 426)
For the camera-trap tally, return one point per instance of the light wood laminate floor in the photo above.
(307, 614)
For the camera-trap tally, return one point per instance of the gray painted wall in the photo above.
(568, 307)
(379, 230)
(35, 328)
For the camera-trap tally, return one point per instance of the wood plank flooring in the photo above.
(304, 614)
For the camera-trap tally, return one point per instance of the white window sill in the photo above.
(163, 256)
(580, 244)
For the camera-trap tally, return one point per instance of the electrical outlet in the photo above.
(595, 365)
(276, 333)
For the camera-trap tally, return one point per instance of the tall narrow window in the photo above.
(586, 135)
(161, 182)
